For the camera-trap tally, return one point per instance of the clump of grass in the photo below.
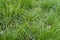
(29, 19)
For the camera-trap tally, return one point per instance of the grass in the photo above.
(29, 19)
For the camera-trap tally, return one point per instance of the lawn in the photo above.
(29, 19)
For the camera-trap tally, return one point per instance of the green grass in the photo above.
(29, 19)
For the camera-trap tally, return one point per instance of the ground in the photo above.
(29, 19)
